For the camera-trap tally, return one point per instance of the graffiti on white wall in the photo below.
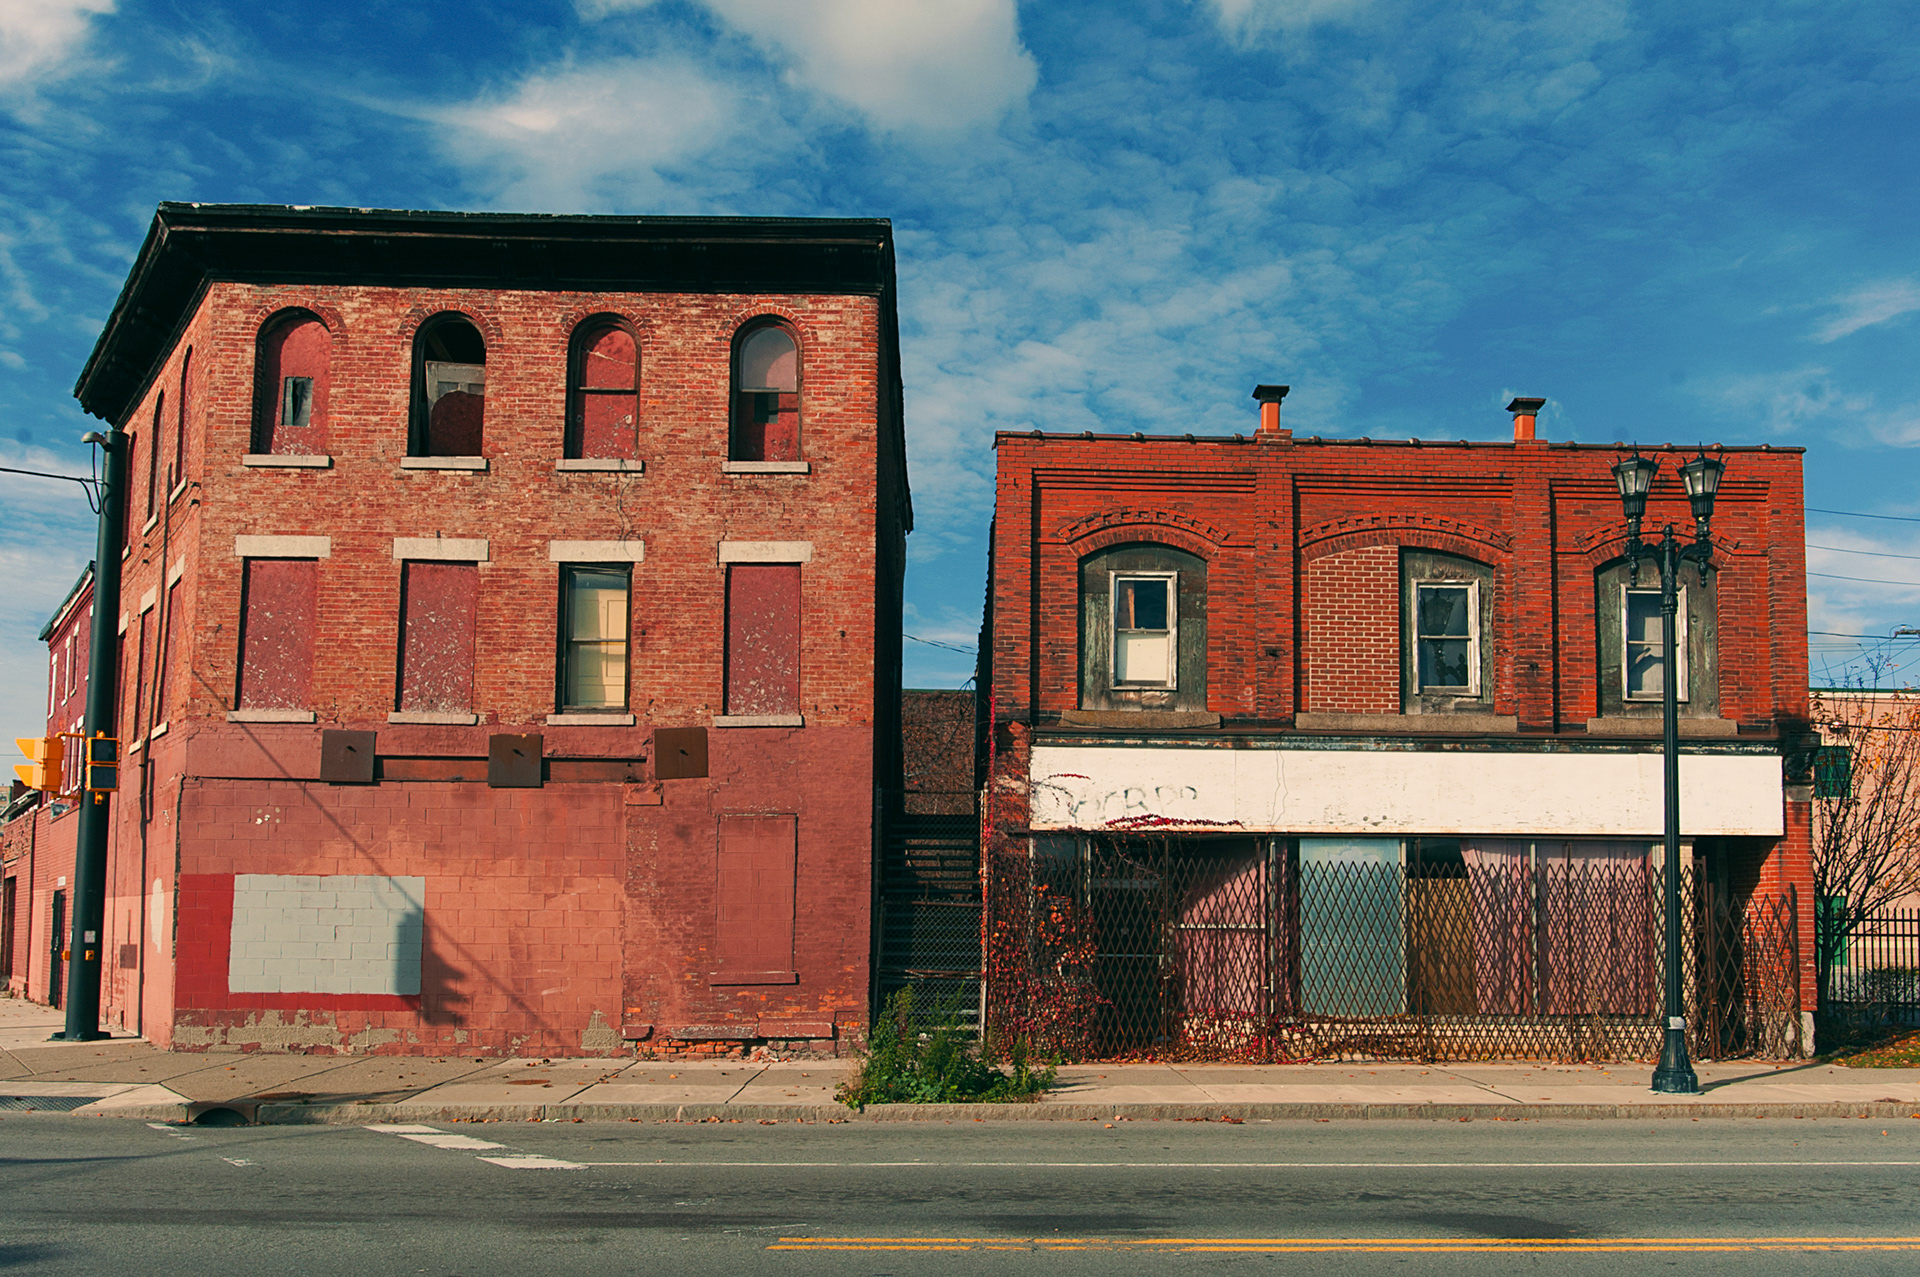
(1399, 792)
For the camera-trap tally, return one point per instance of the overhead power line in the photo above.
(937, 643)
(1861, 514)
(1878, 554)
(1866, 580)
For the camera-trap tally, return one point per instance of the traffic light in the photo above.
(103, 765)
(42, 768)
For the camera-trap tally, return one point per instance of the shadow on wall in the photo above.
(442, 1001)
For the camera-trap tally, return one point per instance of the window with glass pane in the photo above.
(1645, 663)
(1444, 625)
(594, 615)
(1143, 639)
(296, 402)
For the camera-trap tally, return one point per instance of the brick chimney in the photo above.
(1524, 411)
(1270, 397)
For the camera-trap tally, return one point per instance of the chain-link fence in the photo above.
(1272, 949)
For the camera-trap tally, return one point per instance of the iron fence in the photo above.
(1874, 962)
(1237, 948)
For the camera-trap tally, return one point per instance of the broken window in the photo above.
(1644, 669)
(1446, 629)
(766, 395)
(1627, 616)
(602, 419)
(293, 376)
(1447, 637)
(450, 386)
(593, 602)
(763, 639)
(278, 610)
(1143, 630)
(438, 603)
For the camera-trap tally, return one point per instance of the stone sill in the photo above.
(1394, 724)
(270, 716)
(158, 732)
(1138, 720)
(766, 467)
(443, 463)
(277, 461)
(599, 465)
(589, 720)
(1650, 727)
(759, 720)
(434, 718)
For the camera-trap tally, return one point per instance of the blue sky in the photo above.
(1687, 222)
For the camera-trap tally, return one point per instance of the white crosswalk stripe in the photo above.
(434, 1137)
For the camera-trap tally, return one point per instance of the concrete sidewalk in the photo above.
(129, 1078)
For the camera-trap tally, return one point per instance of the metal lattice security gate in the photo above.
(1271, 949)
(929, 911)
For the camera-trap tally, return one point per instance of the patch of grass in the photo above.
(924, 1056)
(1865, 1040)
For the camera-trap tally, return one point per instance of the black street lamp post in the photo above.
(1701, 478)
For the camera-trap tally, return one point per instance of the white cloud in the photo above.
(1875, 304)
(1244, 20)
(591, 137)
(41, 39)
(905, 64)
(1786, 401)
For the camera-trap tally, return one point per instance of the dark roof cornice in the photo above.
(190, 246)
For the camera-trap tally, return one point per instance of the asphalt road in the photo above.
(89, 1195)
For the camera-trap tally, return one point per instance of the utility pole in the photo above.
(96, 808)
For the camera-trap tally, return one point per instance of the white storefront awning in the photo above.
(1400, 792)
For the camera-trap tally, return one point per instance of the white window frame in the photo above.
(1681, 655)
(1473, 636)
(1114, 577)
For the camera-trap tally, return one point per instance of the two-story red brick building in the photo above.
(510, 629)
(1320, 747)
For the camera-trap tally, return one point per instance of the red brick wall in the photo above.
(1277, 522)
(537, 894)
(1353, 632)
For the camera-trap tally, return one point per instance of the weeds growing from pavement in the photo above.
(925, 1056)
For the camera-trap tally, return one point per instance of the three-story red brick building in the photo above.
(510, 629)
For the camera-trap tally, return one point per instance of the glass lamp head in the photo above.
(1634, 476)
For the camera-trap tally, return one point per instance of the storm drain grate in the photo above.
(49, 1103)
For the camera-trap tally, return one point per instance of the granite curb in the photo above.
(280, 1114)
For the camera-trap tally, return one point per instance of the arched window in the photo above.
(1143, 629)
(449, 388)
(766, 394)
(177, 472)
(603, 391)
(153, 450)
(292, 385)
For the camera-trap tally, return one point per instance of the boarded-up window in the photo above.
(763, 638)
(766, 395)
(601, 420)
(177, 470)
(450, 387)
(292, 386)
(143, 676)
(754, 892)
(164, 655)
(594, 637)
(153, 454)
(276, 633)
(437, 606)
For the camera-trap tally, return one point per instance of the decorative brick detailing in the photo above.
(1159, 518)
